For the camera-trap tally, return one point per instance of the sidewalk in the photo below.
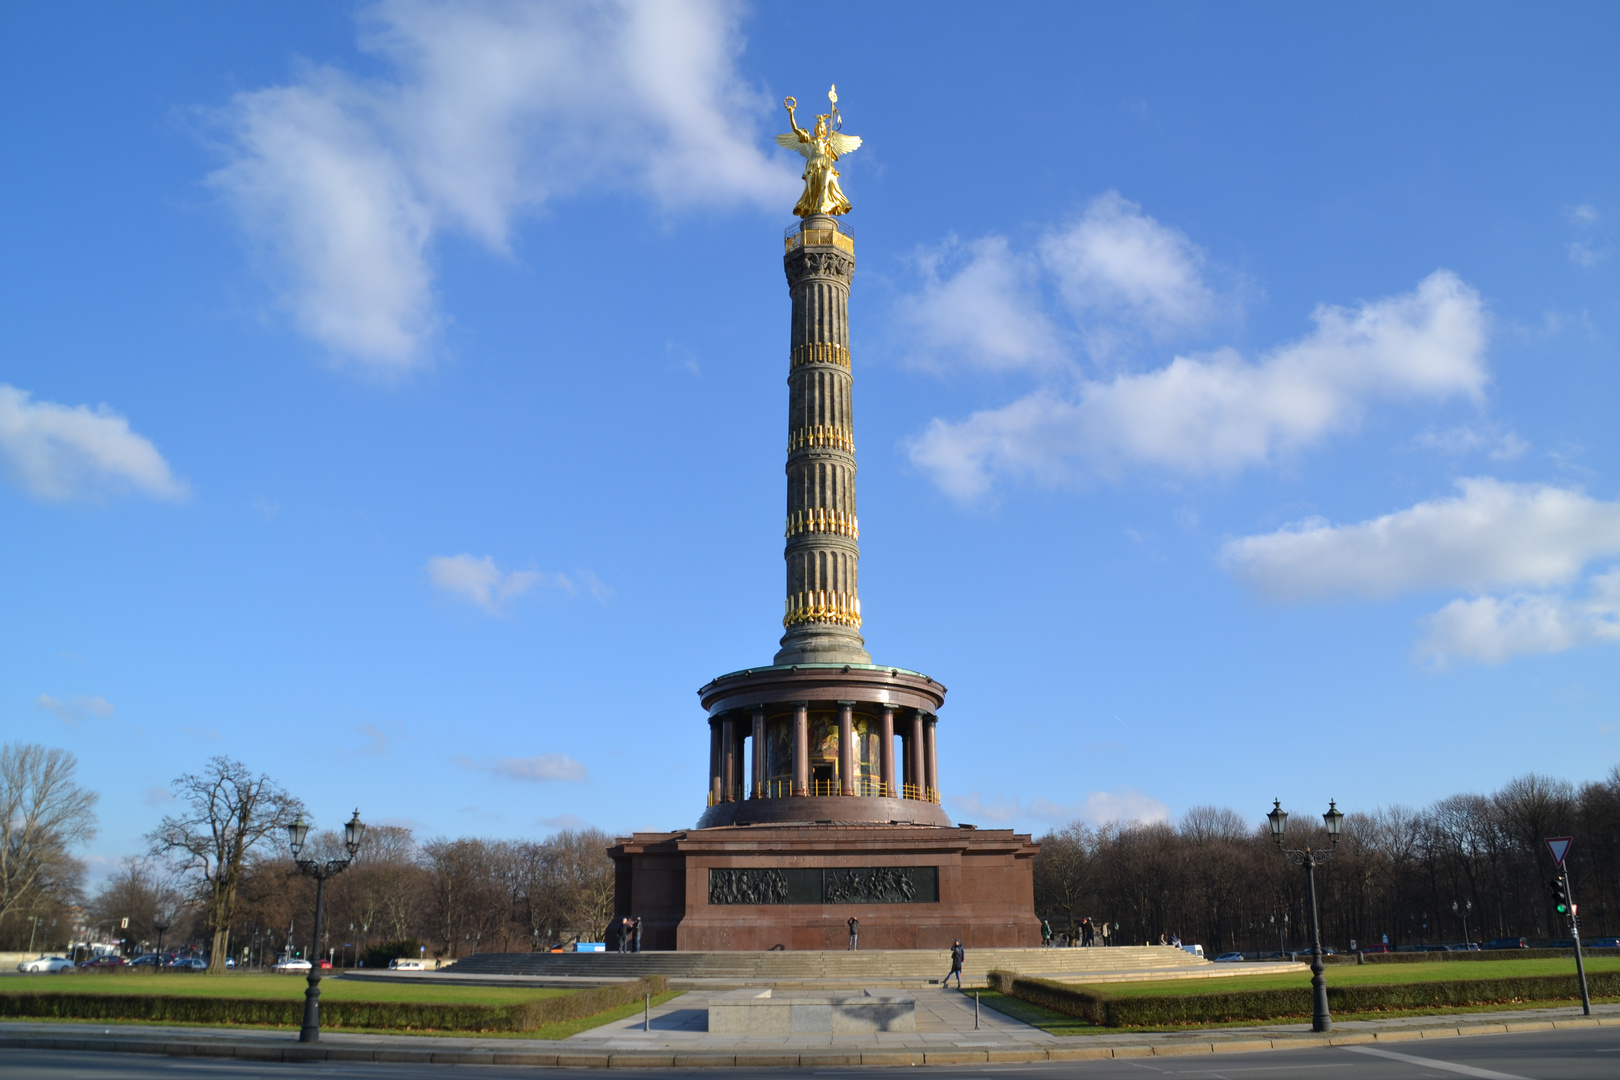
(679, 1038)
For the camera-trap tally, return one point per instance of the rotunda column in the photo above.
(846, 747)
(801, 748)
(757, 771)
(931, 759)
(886, 752)
(918, 777)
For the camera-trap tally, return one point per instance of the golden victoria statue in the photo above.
(821, 147)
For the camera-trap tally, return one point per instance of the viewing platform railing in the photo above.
(831, 789)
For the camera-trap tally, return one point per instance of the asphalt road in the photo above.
(1544, 1055)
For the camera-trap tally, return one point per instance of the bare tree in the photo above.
(229, 811)
(141, 892)
(43, 815)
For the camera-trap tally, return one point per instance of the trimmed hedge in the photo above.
(1482, 954)
(396, 1015)
(1103, 1010)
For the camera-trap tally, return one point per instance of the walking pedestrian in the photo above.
(1046, 934)
(635, 940)
(624, 934)
(854, 933)
(958, 956)
(1105, 934)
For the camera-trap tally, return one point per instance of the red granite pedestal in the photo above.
(713, 889)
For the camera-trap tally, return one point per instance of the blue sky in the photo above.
(392, 397)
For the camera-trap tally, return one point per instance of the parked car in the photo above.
(1229, 958)
(292, 965)
(188, 963)
(402, 963)
(1507, 943)
(46, 965)
(151, 960)
(102, 963)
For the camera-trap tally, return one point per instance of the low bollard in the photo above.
(646, 1014)
(975, 1010)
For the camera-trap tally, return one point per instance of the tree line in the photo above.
(1216, 879)
(217, 876)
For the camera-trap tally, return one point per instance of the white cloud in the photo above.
(1097, 808)
(484, 112)
(978, 306)
(60, 452)
(1117, 262)
(479, 581)
(540, 769)
(1493, 535)
(1490, 629)
(75, 709)
(1219, 413)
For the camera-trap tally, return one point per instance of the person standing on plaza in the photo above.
(958, 958)
(635, 939)
(1105, 933)
(854, 933)
(1046, 934)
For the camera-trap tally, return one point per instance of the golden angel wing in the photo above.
(792, 141)
(841, 144)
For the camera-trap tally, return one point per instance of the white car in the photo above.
(49, 964)
(403, 964)
(292, 965)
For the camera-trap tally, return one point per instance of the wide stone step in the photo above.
(919, 965)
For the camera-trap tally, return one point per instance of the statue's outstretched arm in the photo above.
(804, 136)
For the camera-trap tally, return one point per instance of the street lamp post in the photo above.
(320, 870)
(1310, 859)
(160, 927)
(1462, 913)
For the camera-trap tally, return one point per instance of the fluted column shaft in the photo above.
(846, 747)
(930, 759)
(822, 611)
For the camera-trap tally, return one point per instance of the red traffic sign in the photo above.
(1559, 846)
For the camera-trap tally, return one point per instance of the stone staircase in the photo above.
(867, 968)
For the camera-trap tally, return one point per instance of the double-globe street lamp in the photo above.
(1310, 859)
(1462, 913)
(320, 870)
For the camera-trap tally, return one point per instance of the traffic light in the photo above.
(1559, 888)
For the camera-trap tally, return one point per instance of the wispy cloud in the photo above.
(561, 822)
(540, 769)
(1097, 808)
(60, 452)
(1464, 440)
(158, 796)
(479, 581)
(375, 742)
(74, 710)
(481, 113)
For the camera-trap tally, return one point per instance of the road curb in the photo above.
(207, 1046)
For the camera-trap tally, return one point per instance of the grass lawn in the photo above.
(291, 987)
(1358, 974)
(1057, 1023)
(271, 986)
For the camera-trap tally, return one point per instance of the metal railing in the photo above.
(865, 787)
